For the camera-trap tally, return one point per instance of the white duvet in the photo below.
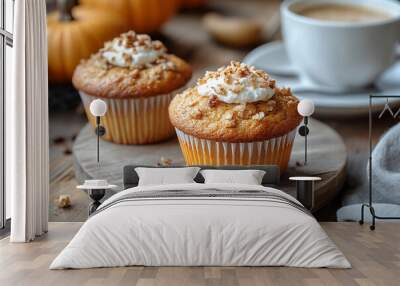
(200, 231)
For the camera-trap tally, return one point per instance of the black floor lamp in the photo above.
(305, 108)
(96, 188)
(98, 108)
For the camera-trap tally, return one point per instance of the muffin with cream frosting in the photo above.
(137, 79)
(235, 116)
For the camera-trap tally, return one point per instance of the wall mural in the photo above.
(208, 83)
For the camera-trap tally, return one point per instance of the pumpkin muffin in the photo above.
(236, 116)
(137, 79)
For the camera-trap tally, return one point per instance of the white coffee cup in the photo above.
(341, 54)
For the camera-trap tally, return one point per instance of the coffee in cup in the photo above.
(341, 43)
(344, 13)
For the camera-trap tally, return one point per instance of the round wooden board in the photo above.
(326, 159)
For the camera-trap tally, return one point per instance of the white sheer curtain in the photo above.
(27, 148)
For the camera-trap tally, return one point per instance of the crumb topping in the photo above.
(134, 54)
(258, 116)
(210, 118)
(237, 83)
(132, 51)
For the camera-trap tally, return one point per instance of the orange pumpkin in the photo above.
(74, 33)
(144, 16)
(192, 3)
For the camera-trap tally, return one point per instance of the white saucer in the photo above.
(273, 59)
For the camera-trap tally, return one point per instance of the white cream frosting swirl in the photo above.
(237, 83)
(133, 50)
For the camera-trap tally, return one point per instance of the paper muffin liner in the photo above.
(275, 151)
(141, 120)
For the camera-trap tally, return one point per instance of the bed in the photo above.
(201, 224)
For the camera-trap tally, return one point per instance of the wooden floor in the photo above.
(375, 257)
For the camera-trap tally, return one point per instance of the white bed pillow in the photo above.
(248, 177)
(166, 176)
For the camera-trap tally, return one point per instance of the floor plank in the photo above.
(375, 257)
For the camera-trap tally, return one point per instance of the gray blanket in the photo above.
(385, 181)
(386, 167)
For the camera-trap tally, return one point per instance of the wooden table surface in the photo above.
(185, 36)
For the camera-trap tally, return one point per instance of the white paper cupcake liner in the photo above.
(275, 151)
(141, 120)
